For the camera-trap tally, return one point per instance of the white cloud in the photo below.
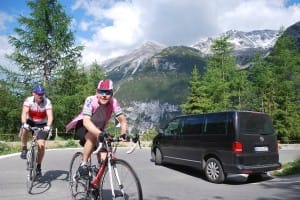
(109, 28)
(6, 49)
(175, 22)
(4, 18)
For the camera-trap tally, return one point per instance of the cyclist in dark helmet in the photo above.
(36, 112)
(92, 120)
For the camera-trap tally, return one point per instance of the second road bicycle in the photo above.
(113, 178)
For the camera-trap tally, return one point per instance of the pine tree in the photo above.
(285, 63)
(44, 45)
(218, 79)
(263, 82)
(196, 102)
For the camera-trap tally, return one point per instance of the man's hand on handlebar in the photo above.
(125, 137)
(26, 126)
(47, 128)
(101, 136)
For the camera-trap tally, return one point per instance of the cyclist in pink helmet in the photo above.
(92, 120)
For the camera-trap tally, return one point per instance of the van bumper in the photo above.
(253, 169)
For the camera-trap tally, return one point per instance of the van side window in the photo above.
(215, 124)
(172, 128)
(192, 125)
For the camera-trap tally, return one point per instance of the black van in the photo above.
(231, 142)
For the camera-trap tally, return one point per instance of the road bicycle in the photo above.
(111, 178)
(32, 155)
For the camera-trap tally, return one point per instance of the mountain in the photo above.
(152, 80)
(245, 44)
(128, 64)
(294, 32)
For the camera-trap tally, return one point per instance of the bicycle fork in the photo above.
(113, 170)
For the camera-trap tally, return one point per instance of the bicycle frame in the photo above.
(104, 164)
(32, 156)
(107, 179)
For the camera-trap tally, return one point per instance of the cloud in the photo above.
(4, 18)
(110, 28)
(118, 27)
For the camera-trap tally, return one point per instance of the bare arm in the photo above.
(50, 117)
(123, 123)
(89, 125)
(25, 110)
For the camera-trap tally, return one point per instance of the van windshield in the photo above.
(255, 123)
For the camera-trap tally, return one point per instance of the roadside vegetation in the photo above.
(289, 168)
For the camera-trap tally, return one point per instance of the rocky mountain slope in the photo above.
(154, 78)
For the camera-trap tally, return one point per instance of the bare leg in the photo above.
(41, 146)
(24, 138)
(88, 146)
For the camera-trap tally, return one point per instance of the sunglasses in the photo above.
(105, 92)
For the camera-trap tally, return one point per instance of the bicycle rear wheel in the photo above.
(125, 182)
(31, 166)
(78, 186)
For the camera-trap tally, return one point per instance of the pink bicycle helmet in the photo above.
(105, 84)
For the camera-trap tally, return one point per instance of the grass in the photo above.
(289, 168)
(8, 148)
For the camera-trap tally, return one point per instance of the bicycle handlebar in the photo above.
(108, 139)
(37, 129)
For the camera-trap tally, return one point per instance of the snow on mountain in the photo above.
(132, 61)
(245, 44)
(242, 41)
(145, 115)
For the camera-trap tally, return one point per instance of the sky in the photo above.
(111, 28)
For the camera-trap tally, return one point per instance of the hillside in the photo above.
(152, 81)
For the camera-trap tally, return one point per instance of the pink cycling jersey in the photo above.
(90, 106)
(37, 113)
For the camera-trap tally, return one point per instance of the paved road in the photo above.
(158, 182)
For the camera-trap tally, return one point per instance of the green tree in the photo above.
(219, 76)
(44, 45)
(9, 111)
(45, 53)
(285, 63)
(263, 86)
(197, 101)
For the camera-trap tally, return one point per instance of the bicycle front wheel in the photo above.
(78, 186)
(31, 167)
(122, 183)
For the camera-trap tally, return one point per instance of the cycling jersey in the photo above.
(90, 106)
(37, 113)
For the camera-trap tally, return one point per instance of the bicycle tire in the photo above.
(31, 165)
(131, 185)
(78, 187)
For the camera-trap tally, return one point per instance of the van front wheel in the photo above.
(158, 157)
(213, 171)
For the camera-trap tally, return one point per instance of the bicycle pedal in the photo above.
(118, 193)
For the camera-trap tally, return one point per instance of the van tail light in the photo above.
(237, 147)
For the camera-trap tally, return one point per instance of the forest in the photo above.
(45, 53)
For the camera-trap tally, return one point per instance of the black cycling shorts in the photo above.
(40, 135)
(80, 132)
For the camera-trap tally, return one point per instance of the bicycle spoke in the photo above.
(31, 165)
(78, 186)
(124, 180)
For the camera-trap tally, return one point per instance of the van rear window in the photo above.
(255, 123)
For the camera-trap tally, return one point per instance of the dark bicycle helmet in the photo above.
(38, 89)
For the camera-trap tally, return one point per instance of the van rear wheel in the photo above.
(213, 171)
(158, 157)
